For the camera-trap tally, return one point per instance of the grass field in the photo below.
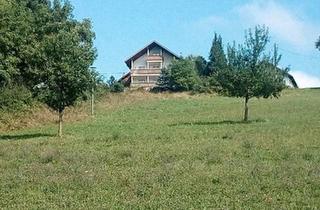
(170, 152)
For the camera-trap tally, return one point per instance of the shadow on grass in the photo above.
(23, 136)
(224, 122)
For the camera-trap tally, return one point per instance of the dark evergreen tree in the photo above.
(318, 43)
(217, 57)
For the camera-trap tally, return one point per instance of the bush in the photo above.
(101, 90)
(181, 75)
(114, 85)
(15, 98)
(117, 87)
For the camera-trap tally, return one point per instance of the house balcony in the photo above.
(145, 71)
(154, 58)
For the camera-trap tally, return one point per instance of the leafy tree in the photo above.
(217, 57)
(318, 43)
(200, 64)
(70, 53)
(251, 72)
(13, 30)
(115, 86)
(111, 80)
(23, 24)
(179, 76)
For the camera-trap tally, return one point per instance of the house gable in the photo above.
(153, 48)
(145, 65)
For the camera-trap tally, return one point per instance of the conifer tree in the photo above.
(217, 57)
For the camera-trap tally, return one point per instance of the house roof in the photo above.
(144, 50)
(124, 76)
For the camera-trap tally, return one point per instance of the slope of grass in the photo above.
(170, 152)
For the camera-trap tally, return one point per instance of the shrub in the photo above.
(114, 85)
(117, 87)
(15, 98)
(179, 76)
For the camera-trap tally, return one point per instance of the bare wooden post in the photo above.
(60, 123)
(246, 109)
(92, 101)
(93, 83)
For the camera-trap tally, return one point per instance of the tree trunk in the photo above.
(92, 103)
(60, 123)
(246, 109)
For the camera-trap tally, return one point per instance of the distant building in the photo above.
(145, 66)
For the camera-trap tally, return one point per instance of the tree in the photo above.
(115, 86)
(318, 43)
(23, 24)
(200, 64)
(179, 76)
(217, 57)
(69, 52)
(251, 72)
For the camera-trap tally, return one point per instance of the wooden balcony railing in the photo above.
(145, 71)
(154, 58)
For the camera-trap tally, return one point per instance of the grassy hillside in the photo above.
(170, 152)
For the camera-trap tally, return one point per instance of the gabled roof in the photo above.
(144, 50)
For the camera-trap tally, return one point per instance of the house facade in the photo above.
(145, 65)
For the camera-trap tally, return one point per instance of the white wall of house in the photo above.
(155, 50)
(140, 62)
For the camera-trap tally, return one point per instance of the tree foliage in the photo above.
(114, 85)
(251, 72)
(23, 24)
(200, 64)
(45, 49)
(70, 52)
(217, 57)
(181, 75)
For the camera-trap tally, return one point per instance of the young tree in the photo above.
(70, 53)
(217, 57)
(251, 72)
(179, 76)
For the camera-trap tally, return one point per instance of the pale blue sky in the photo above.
(187, 26)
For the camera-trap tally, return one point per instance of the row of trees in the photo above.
(246, 70)
(46, 50)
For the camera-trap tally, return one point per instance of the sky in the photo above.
(187, 27)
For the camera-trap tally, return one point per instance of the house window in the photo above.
(139, 79)
(153, 78)
(155, 65)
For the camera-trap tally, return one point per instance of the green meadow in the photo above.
(170, 151)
